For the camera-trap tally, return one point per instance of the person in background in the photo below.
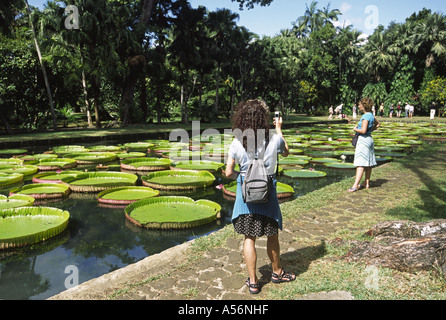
(365, 158)
(355, 111)
(330, 112)
(391, 111)
(433, 110)
(255, 220)
(398, 110)
(381, 110)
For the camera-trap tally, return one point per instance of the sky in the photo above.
(364, 15)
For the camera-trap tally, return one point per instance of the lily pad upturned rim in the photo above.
(208, 179)
(7, 179)
(174, 222)
(56, 164)
(15, 201)
(146, 164)
(304, 174)
(42, 177)
(92, 157)
(103, 199)
(283, 190)
(126, 179)
(23, 238)
(43, 190)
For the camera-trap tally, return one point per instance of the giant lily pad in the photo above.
(340, 165)
(145, 164)
(99, 181)
(56, 164)
(61, 150)
(137, 146)
(10, 178)
(53, 176)
(178, 179)
(92, 157)
(304, 174)
(211, 166)
(43, 190)
(6, 153)
(172, 212)
(28, 225)
(23, 169)
(126, 195)
(15, 201)
(283, 190)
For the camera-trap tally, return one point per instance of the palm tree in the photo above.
(430, 35)
(221, 24)
(379, 54)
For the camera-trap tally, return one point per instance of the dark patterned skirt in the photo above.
(255, 225)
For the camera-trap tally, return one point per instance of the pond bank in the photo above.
(212, 267)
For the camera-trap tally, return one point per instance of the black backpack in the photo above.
(257, 184)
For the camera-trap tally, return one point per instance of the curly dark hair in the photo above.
(251, 117)
(368, 104)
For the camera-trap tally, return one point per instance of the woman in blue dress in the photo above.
(365, 148)
(252, 137)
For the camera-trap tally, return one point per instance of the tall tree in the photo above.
(42, 66)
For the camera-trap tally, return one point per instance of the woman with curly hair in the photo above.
(252, 137)
(365, 148)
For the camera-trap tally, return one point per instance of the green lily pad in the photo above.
(211, 166)
(126, 195)
(12, 152)
(56, 164)
(178, 179)
(61, 150)
(43, 190)
(15, 201)
(304, 174)
(53, 176)
(99, 181)
(10, 178)
(28, 225)
(323, 160)
(105, 149)
(343, 166)
(137, 146)
(92, 157)
(145, 164)
(172, 212)
(130, 155)
(23, 169)
(283, 190)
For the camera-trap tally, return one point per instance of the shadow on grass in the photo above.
(297, 261)
(430, 167)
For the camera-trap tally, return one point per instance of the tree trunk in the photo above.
(130, 82)
(6, 124)
(217, 89)
(87, 101)
(42, 66)
(405, 246)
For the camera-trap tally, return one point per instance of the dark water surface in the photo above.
(99, 239)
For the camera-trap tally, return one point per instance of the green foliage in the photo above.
(377, 92)
(134, 64)
(434, 92)
(402, 86)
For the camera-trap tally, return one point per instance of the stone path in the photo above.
(220, 274)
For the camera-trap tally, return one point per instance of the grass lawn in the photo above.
(413, 188)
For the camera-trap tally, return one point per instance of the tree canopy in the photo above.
(141, 61)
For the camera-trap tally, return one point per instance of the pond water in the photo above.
(99, 239)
